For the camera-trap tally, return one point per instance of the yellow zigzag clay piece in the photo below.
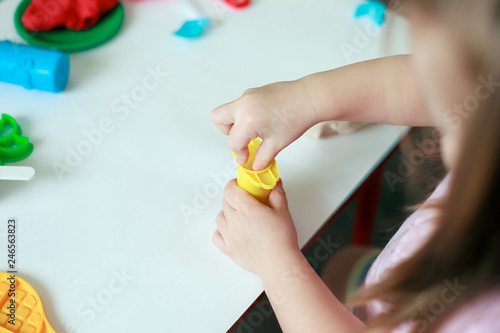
(29, 315)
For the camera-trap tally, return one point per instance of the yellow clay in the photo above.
(258, 183)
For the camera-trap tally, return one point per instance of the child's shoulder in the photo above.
(410, 237)
(480, 314)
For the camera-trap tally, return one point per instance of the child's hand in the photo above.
(254, 235)
(278, 113)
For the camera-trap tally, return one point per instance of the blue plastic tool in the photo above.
(193, 28)
(374, 9)
(32, 67)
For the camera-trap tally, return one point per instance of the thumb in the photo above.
(277, 197)
(264, 156)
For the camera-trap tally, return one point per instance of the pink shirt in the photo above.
(481, 314)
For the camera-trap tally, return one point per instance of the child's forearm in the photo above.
(382, 90)
(302, 302)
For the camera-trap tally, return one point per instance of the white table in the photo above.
(118, 211)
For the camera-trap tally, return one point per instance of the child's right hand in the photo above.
(278, 113)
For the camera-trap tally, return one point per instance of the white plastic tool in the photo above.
(196, 9)
(16, 173)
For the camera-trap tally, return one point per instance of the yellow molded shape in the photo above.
(30, 317)
(257, 183)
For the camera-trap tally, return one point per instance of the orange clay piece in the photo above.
(30, 317)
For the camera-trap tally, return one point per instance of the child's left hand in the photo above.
(253, 234)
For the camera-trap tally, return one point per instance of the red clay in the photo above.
(46, 15)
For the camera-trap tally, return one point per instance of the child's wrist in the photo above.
(312, 111)
(283, 264)
(320, 87)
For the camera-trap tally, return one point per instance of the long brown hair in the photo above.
(465, 248)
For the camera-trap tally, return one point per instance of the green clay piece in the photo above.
(13, 146)
(67, 40)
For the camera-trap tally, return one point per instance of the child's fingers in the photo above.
(223, 118)
(221, 222)
(264, 156)
(224, 128)
(277, 198)
(227, 209)
(238, 142)
(219, 242)
(237, 197)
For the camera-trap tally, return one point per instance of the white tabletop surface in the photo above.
(106, 245)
